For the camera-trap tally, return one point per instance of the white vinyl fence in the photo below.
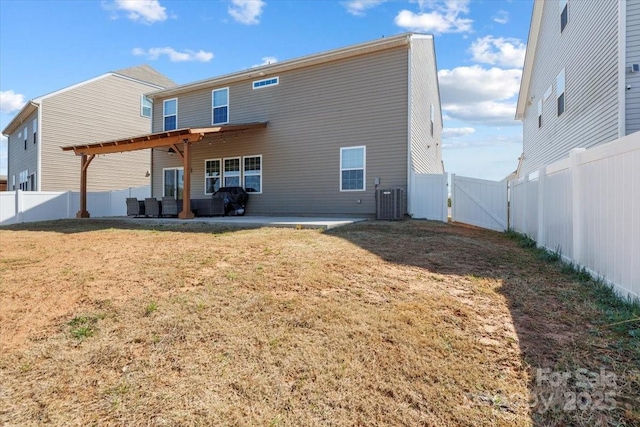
(479, 202)
(587, 207)
(30, 206)
(429, 197)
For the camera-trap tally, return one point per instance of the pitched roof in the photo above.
(147, 74)
(141, 73)
(305, 61)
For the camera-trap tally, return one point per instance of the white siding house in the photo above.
(579, 86)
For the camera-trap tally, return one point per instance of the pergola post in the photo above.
(186, 191)
(84, 165)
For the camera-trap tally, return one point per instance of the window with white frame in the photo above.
(173, 182)
(145, 106)
(170, 114)
(252, 172)
(231, 176)
(540, 113)
(564, 17)
(220, 106)
(432, 115)
(13, 182)
(352, 168)
(560, 92)
(24, 178)
(25, 135)
(259, 84)
(212, 176)
(35, 131)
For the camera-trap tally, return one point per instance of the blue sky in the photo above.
(46, 45)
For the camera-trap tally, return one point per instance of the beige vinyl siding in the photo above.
(312, 113)
(588, 50)
(19, 159)
(104, 109)
(426, 149)
(633, 57)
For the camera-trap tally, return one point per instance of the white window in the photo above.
(220, 106)
(352, 168)
(540, 113)
(170, 114)
(560, 89)
(212, 176)
(273, 81)
(13, 182)
(145, 106)
(432, 116)
(35, 131)
(173, 182)
(231, 175)
(252, 174)
(24, 178)
(564, 17)
(25, 135)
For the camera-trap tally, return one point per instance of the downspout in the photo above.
(622, 67)
(409, 126)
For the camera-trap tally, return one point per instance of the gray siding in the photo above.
(312, 113)
(104, 109)
(20, 158)
(588, 50)
(426, 149)
(633, 57)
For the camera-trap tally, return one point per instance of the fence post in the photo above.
(453, 197)
(525, 186)
(445, 197)
(541, 181)
(18, 207)
(574, 161)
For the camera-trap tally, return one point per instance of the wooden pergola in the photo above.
(172, 139)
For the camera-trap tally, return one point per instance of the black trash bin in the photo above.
(234, 199)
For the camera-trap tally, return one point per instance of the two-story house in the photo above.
(581, 79)
(108, 106)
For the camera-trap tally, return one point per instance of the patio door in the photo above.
(173, 183)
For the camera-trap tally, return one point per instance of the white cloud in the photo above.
(480, 96)
(508, 52)
(359, 7)
(491, 113)
(477, 84)
(266, 60)
(173, 55)
(501, 17)
(444, 17)
(456, 132)
(246, 11)
(10, 101)
(145, 11)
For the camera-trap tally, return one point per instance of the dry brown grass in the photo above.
(407, 323)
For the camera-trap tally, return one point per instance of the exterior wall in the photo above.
(20, 159)
(312, 113)
(588, 50)
(633, 57)
(426, 149)
(104, 109)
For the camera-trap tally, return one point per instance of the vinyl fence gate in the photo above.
(479, 202)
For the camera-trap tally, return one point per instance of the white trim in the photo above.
(213, 122)
(165, 115)
(410, 179)
(364, 167)
(527, 70)
(219, 160)
(622, 68)
(244, 174)
(224, 171)
(174, 169)
(39, 150)
(268, 79)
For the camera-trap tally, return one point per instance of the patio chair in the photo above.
(152, 206)
(169, 206)
(134, 207)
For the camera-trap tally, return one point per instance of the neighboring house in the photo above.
(581, 80)
(339, 124)
(106, 107)
(3, 183)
